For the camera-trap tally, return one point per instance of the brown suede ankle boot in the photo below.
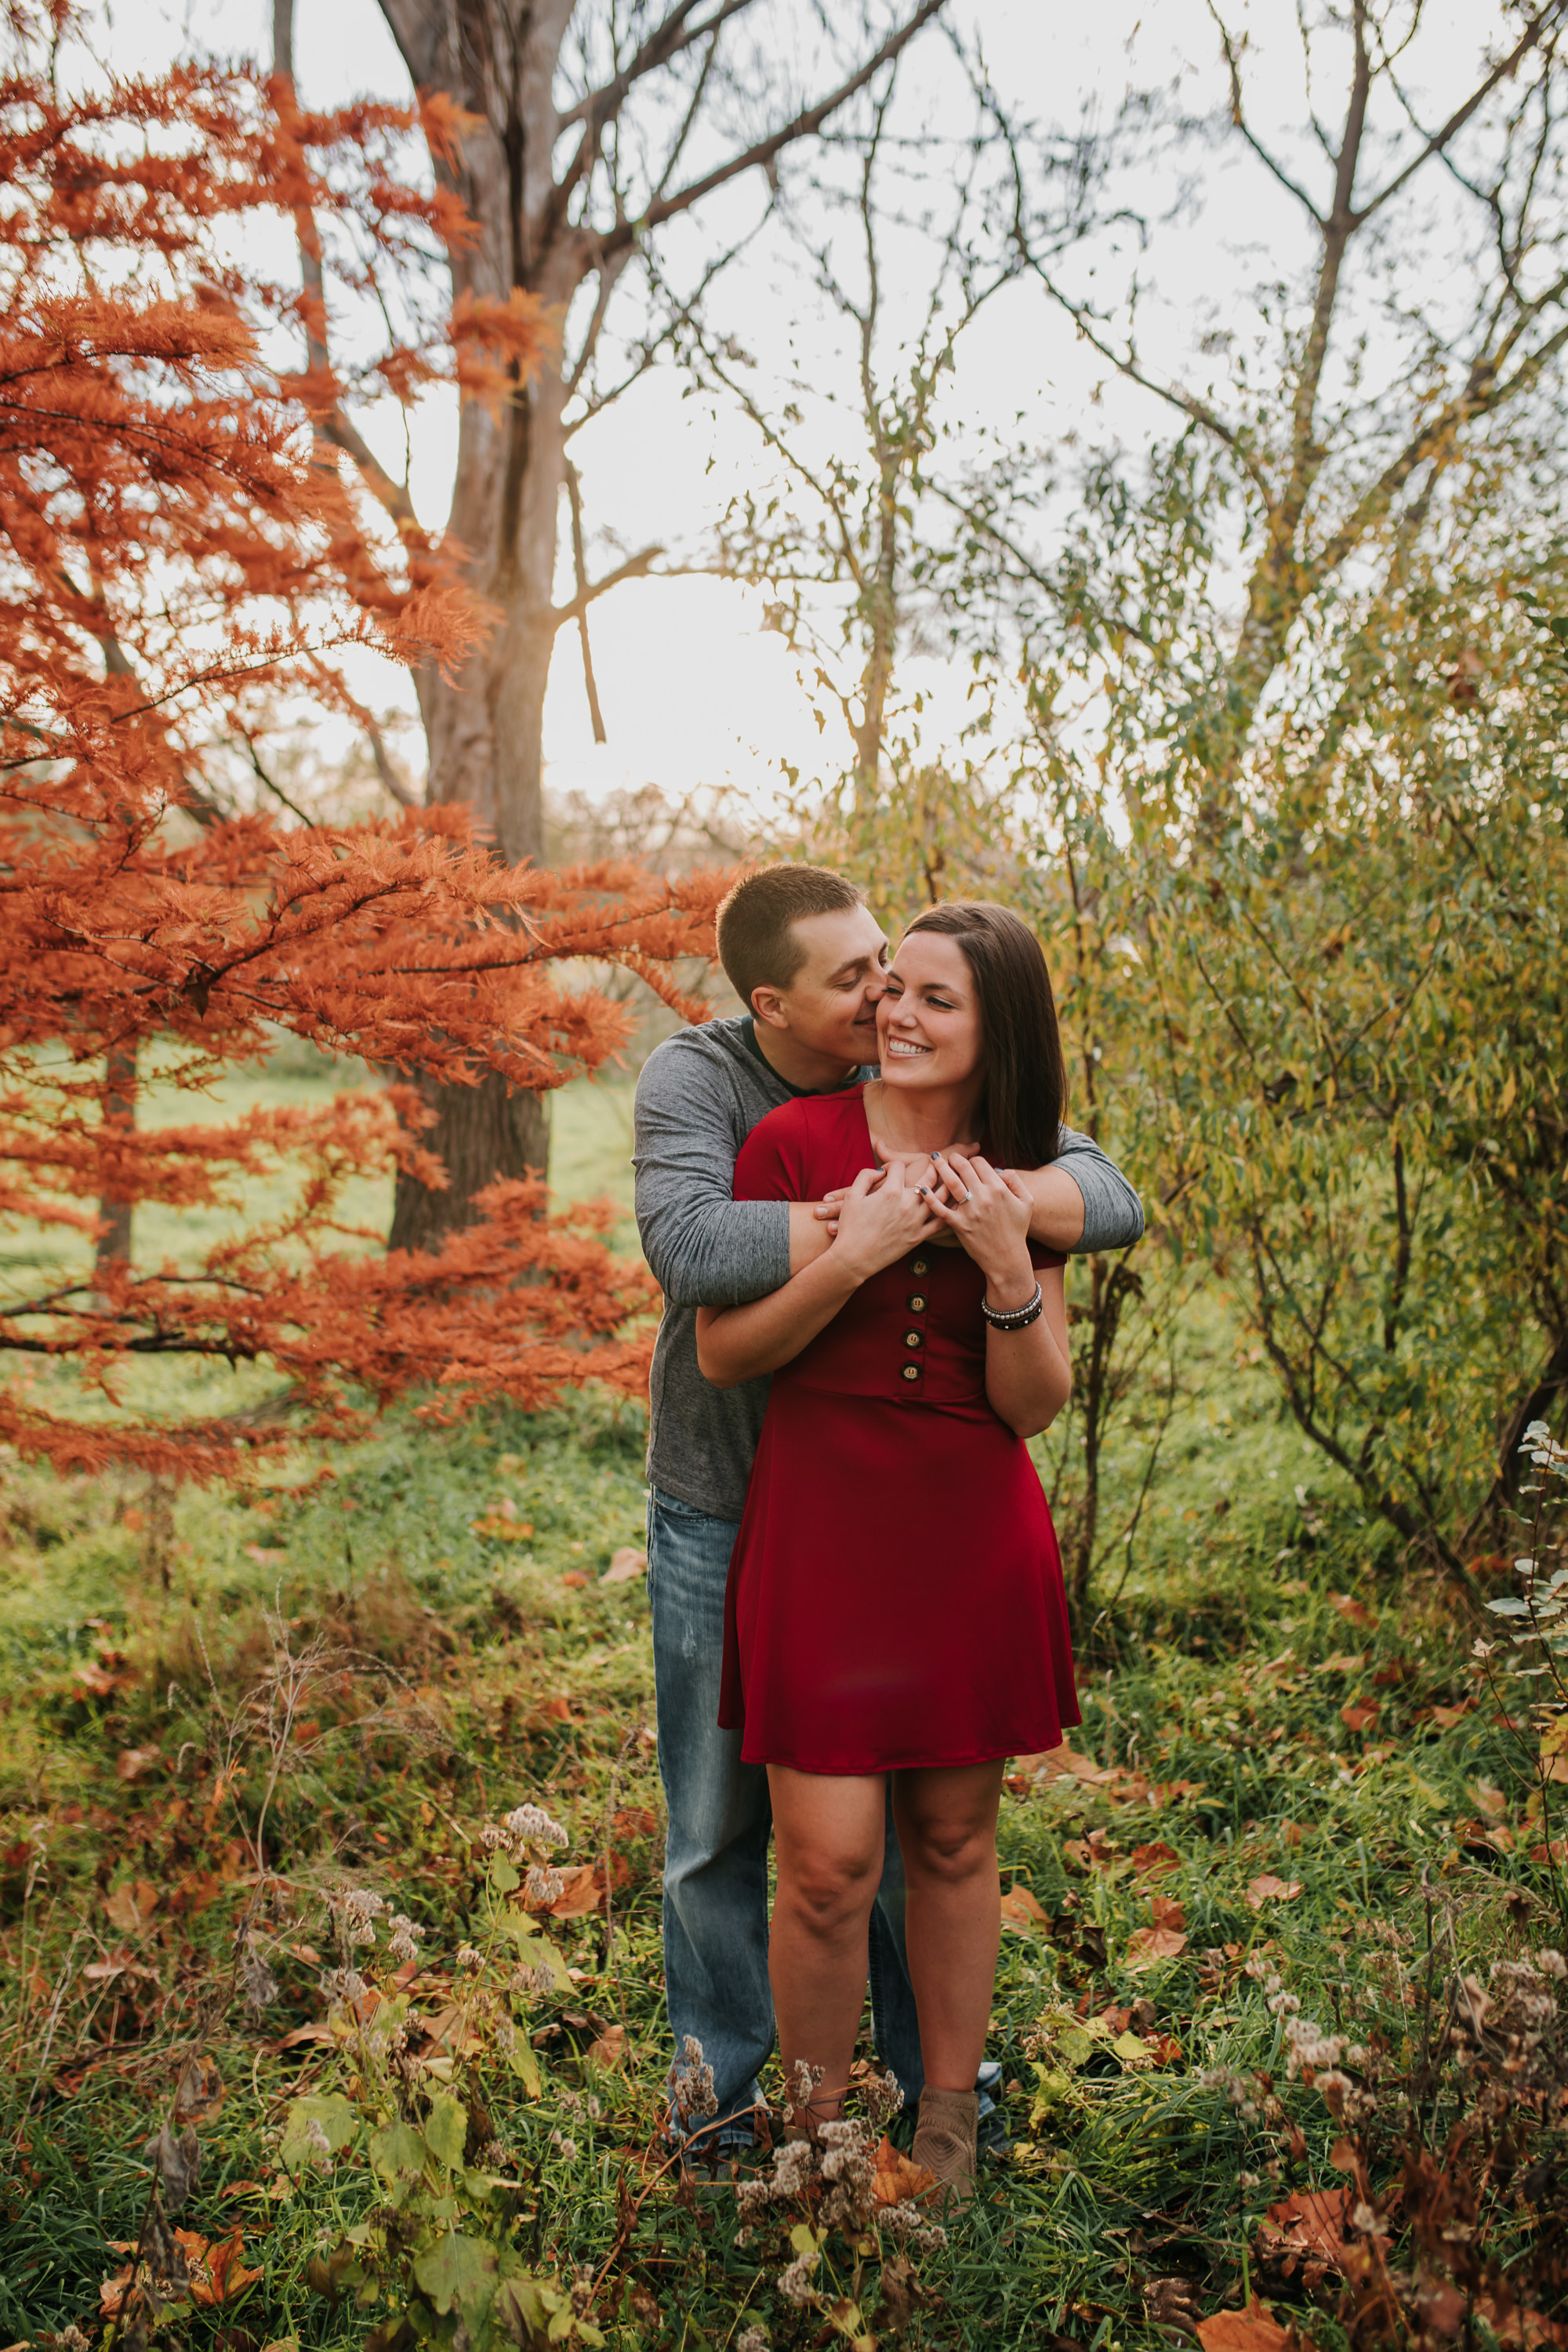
(944, 2142)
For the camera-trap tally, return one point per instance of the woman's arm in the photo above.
(1028, 1374)
(741, 1343)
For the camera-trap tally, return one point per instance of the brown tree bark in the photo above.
(544, 182)
(118, 1110)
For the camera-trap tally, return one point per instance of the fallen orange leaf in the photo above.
(1252, 2330)
(1065, 1763)
(897, 2180)
(1151, 1860)
(1166, 1913)
(217, 2272)
(626, 1566)
(1020, 1911)
(610, 2047)
(1151, 1945)
(129, 1907)
(1313, 2221)
(1267, 1889)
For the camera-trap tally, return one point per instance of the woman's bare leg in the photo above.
(947, 1828)
(828, 1837)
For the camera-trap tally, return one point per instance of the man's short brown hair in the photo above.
(757, 944)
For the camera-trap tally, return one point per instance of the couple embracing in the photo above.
(857, 1196)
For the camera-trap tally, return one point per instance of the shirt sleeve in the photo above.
(1112, 1213)
(772, 1161)
(703, 1247)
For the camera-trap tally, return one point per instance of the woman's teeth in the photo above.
(905, 1046)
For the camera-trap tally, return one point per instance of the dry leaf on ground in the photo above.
(610, 2047)
(1252, 2330)
(1151, 1860)
(135, 1763)
(626, 1566)
(897, 2180)
(1309, 2224)
(198, 2094)
(217, 2272)
(1065, 1763)
(129, 1907)
(1149, 1946)
(1269, 1889)
(583, 1888)
(1020, 1911)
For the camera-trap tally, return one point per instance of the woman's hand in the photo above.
(988, 1211)
(880, 1217)
(916, 1166)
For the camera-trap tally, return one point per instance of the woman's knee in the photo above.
(949, 1848)
(827, 1889)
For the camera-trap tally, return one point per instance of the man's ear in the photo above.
(768, 1005)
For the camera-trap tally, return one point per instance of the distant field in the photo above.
(590, 1158)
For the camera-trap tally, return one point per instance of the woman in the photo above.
(895, 1604)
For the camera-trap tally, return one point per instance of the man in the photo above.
(803, 952)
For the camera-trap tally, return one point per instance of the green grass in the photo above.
(453, 1669)
(471, 1675)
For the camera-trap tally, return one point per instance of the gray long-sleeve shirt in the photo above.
(699, 1095)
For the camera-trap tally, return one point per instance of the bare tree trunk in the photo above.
(119, 1111)
(547, 222)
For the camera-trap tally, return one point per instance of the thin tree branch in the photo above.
(1238, 118)
(802, 126)
(590, 684)
(667, 41)
(1547, 19)
(635, 567)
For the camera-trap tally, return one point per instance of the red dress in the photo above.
(895, 1595)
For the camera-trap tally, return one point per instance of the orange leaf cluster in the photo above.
(174, 554)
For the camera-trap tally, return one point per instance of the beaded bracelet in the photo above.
(1014, 1319)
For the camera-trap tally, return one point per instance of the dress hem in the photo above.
(917, 1763)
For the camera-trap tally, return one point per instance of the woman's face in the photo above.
(928, 1024)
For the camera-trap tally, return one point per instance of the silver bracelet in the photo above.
(1014, 1319)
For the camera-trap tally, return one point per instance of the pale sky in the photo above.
(694, 691)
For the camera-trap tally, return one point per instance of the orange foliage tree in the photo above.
(177, 553)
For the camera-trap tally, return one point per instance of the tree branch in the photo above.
(590, 684)
(1240, 119)
(667, 41)
(635, 567)
(1529, 39)
(802, 126)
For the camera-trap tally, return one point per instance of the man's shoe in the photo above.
(944, 2142)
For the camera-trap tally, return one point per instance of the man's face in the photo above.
(830, 1005)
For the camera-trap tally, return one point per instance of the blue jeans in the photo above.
(716, 1858)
